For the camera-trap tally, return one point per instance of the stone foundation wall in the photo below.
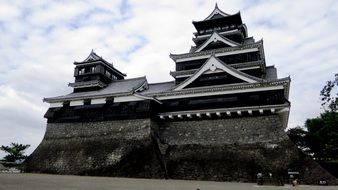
(244, 130)
(112, 148)
(233, 149)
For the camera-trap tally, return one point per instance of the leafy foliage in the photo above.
(297, 135)
(15, 152)
(319, 138)
(328, 97)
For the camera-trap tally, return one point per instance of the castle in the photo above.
(222, 118)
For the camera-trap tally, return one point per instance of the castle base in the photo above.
(218, 150)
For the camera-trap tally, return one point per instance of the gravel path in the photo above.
(65, 182)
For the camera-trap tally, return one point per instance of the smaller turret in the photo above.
(94, 73)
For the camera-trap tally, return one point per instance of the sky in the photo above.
(40, 40)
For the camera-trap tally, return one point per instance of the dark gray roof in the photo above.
(159, 87)
(211, 36)
(258, 44)
(249, 40)
(94, 58)
(271, 72)
(114, 88)
(118, 87)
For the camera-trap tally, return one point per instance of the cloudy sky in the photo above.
(40, 40)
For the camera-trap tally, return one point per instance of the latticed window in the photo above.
(82, 71)
(108, 74)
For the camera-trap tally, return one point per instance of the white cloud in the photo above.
(57, 12)
(8, 11)
(41, 39)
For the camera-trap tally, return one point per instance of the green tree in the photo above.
(328, 96)
(322, 136)
(15, 152)
(298, 135)
(319, 137)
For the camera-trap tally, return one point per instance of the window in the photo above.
(107, 73)
(110, 100)
(86, 102)
(82, 71)
(254, 97)
(66, 104)
(217, 28)
(213, 100)
(92, 69)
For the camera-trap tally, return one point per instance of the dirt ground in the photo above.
(20, 181)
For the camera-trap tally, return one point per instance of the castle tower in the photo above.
(222, 118)
(94, 73)
(227, 72)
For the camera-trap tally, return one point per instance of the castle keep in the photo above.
(222, 117)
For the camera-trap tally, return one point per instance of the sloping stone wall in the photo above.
(111, 148)
(233, 149)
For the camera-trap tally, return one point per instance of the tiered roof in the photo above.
(219, 36)
(94, 58)
(218, 52)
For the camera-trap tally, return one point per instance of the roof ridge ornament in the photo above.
(216, 11)
(92, 57)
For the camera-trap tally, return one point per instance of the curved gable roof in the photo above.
(92, 57)
(214, 38)
(215, 12)
(212, 64)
